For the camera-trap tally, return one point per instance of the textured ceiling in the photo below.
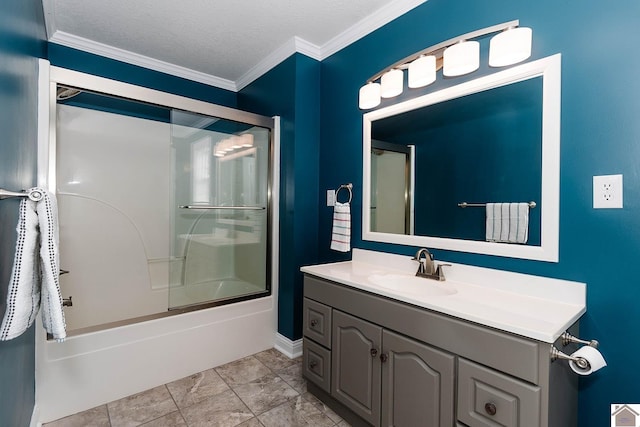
(225, 39)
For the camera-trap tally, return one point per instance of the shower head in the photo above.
(63, 93)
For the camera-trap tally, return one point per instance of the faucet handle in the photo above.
(440, 272)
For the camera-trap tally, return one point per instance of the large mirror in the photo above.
(495, 139)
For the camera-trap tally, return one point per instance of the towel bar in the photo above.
(245, 208)
(33, 194)
(478, 205)
(348, 187)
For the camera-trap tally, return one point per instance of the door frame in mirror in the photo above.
(549, 69)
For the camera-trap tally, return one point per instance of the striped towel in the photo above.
(34, 278)
(341, 234)
(507, 222)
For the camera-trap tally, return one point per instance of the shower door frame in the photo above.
(47, 161)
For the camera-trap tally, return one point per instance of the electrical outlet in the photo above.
(607, 191)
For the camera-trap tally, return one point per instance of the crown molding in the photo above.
(49, 17)
(293, 45)
(296, 44)
(80, 43)
(368, 25)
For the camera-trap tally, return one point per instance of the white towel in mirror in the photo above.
(507, 222)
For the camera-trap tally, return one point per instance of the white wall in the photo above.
(113, 188)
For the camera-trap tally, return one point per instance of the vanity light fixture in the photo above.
(369, 96)
(457, 56)
(422, 71)
(461, 58)
(391, 83)
(233, 143)
(511, 46)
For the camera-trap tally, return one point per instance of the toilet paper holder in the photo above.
(557, 354)
(567, 339)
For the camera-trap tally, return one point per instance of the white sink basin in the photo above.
(412, 285)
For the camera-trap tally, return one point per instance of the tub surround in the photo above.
(535, 307)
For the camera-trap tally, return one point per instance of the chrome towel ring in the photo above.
(349, 188)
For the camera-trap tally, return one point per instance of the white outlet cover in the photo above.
(607, 192)
(331, 197)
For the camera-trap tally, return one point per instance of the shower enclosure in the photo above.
(160, 209)
(168, 212)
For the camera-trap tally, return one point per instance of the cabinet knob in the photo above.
(314, 323)
(490, 408)
(374, 352)
(384, 357)
(313, 364)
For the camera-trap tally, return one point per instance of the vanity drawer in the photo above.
(487, 398)
(317, 322)
(316, 364)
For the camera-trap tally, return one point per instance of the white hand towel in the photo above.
(36, 268)
(341, 233)
(507, 222)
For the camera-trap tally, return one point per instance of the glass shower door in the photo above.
(219, 247)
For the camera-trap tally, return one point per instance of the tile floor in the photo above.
(266, 389)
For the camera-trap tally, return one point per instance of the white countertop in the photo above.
(532, 306)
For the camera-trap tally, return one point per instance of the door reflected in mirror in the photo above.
(392, 200)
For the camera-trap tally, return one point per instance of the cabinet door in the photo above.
(418, 383)
(355, 377)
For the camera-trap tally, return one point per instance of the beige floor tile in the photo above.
(322, 407)
(295, 413)
(222, 410)
(274, 360)
(293, 376)
(95, 417)
(253, 422)
(142, 407)
(265, 393)
(173, 419)
(195, 388)
(242, 371)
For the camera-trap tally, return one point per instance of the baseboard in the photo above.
(35, 417)
(291, 349)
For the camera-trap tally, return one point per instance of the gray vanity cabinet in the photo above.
(381, 362)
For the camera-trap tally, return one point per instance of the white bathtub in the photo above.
(95, 368)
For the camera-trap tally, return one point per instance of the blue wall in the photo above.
(21, 42)
(291, 90)
(600, 135)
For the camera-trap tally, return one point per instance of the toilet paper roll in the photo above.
(591, 355)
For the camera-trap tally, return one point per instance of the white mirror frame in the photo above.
(549, 69)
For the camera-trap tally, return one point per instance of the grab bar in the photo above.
(33, 194)
(480, 205)
(245, 208)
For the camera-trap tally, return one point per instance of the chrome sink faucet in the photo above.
(426, 266)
